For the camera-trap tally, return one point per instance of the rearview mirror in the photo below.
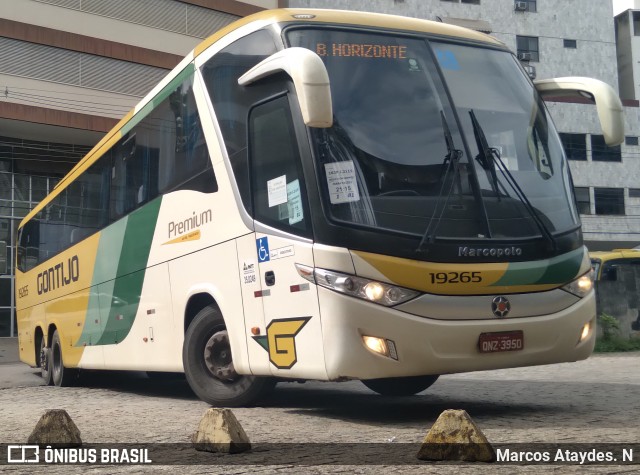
(310, 79)
(608, 103)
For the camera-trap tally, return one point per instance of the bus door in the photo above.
(291, 340)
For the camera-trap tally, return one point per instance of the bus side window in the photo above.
(129, 177)
(232, 101)
(278, 191)
(609, 272)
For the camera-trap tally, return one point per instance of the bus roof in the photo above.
(343, 17)
(261, 19)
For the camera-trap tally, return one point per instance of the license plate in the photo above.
(501, 341)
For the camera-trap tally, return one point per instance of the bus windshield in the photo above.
(405, 156)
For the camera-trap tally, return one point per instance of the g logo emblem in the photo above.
(280, 341)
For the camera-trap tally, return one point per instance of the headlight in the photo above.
(371, 290)
(581, 286)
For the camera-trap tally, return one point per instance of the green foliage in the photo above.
(617, 344)
(610, 341)
(609, 325)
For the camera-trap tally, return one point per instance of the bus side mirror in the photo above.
(3, 257)
(608, 103)
(310, 79)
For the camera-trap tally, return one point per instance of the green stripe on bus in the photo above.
(563, 269)
(132, 263)
(558, 270)
(104, 273)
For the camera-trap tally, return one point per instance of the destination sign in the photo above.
(361, 50)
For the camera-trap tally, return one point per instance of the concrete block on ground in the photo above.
(220, 431)
(56, 427)
(455, 437)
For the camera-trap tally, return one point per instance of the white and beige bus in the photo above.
(316, 194)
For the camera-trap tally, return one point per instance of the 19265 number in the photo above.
(455, 277)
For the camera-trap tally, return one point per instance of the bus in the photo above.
(606, 264)
(318, 195)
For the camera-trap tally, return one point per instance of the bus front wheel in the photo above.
(208, 365)
(406, 386)
(61, 376)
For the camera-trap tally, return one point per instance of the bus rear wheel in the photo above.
(208, 365)
(61, 376)
(406, 386)
(44, 361)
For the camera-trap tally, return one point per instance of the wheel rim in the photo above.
(217, 357)
(44, 361)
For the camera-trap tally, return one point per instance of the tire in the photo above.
(208, 367)
(406, 386)
(61, 376)
(44, 362)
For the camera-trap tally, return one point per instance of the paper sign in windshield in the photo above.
(294, 202)
(341, 180)
(277, 191)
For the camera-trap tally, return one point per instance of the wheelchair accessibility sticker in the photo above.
(262, 246)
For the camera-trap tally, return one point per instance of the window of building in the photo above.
(526, 5)
(601, 152)
(609, 201)
(583, 199)
(631, 140)
(575, 146)
(570, 44)
(527, 48)
(634, 192)
(636, 23)
(473, 2)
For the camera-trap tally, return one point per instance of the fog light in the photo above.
(586, 331)
(377, 345)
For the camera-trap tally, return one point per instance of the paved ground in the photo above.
(594, 401)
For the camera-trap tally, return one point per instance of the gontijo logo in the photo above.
(280, 341)
(63, 273)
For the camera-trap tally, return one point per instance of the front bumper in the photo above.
(430, 346)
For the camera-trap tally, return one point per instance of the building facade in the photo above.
(69, 70)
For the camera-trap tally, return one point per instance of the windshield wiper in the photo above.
(449, 163)
(485, 154)
(489, 157)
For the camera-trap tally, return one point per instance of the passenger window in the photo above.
(128, 180)
(279, 196)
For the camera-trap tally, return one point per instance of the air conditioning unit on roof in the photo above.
(520, 6)
(524, 56)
